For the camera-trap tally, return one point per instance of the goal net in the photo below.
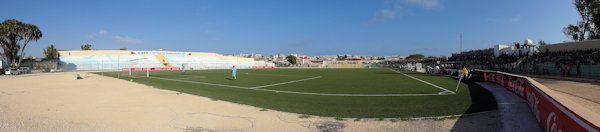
(135, 72)
(136, 69)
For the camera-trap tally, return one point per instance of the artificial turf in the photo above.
(470, 97)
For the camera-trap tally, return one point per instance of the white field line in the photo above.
(349, 95)
(307, 93)
(190, 77)
(274, 75)
(214, 84)
(182, 74)
(257, 87)
(436, 86)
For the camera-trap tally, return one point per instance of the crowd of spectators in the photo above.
(565, 62)
(486, 61)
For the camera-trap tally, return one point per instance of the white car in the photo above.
(12, 71)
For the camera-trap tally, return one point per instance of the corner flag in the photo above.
(465, 71)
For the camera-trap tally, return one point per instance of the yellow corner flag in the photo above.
(465, 71)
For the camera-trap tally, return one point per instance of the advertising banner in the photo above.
(551, 114)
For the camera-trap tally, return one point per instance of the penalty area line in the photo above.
(214, 84)
(270, 85)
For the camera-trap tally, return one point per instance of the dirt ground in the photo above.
(59, 102)
(585, 94)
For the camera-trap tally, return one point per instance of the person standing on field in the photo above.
(233, 72)
(183, 68)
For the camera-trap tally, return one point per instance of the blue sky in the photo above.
(312, 27)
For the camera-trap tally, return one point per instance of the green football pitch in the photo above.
(360, 93)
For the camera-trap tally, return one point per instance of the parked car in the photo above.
(25, 69)
(12, 71)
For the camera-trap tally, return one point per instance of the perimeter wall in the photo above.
(553, 112)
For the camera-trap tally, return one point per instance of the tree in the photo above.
(415, 57)
(14, 38)
(50, 52)
(291, 59)
(588, 26)
(86, 47)
(542, 43)
(123, 48)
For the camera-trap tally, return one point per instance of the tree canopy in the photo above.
(589, 25)
(542, 42)
(14, 38)
(291, 59)
(86, 47)
(50, 52)
(415, 57)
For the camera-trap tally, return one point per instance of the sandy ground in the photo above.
(58, 102)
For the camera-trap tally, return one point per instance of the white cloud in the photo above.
(126, 39)
(515, 19)
(393, 10)
(385, 14)
(101, 33)
(430, 4)
(104, 33)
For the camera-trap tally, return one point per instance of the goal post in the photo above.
(136, 69)
(136, 72)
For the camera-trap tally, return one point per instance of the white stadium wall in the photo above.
(154, 60)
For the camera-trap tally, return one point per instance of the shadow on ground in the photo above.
(481, 100)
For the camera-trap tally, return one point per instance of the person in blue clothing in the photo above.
(233, 72)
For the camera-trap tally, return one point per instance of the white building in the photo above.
(528, 48)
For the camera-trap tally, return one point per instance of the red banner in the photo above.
(552, 115)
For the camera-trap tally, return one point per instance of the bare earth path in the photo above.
(58, 102)
(586, 94)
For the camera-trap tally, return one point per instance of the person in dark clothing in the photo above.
(578, 71)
